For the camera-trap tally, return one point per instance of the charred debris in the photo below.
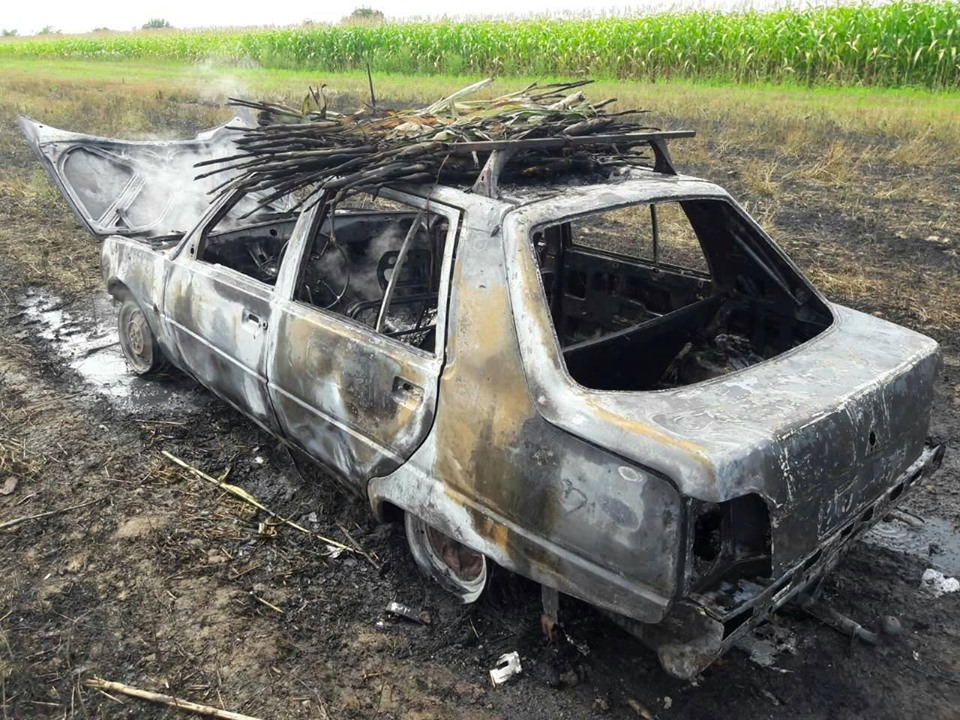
(548, 130)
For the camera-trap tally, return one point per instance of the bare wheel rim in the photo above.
(136, 339)
(458, 569)
(464, 563)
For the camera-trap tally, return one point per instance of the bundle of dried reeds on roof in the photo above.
(335, 154)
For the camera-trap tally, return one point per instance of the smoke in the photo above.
(360, 272)
(216, 84)
(150, 186)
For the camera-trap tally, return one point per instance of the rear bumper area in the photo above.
(700, 628)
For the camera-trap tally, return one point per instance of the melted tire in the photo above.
(137, 341)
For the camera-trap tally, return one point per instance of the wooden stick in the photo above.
(7, 524)
(250, 499)
(373, 98)
(359, 549)
(168, 700)
(266, 603)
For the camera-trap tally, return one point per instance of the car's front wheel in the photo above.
(456, 568)
(137, 341)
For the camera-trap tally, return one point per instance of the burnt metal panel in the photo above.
(130, 188)
(358, 402)
(795, 428)
(136, 270)
(495, 475)
(220, 320)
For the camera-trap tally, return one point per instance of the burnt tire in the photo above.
(455, 567)
(137, 341)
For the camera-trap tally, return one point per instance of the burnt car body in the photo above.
(685, 439)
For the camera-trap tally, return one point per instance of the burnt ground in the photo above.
(165, 583)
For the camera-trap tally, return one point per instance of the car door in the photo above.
(220, 318)
(355, 399)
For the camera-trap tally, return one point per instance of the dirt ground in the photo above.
(161, 581)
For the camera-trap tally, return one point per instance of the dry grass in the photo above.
(761, 177)
(851, 182)
(836, 166)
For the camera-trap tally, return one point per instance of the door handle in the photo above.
(404, 389)
(252, 319)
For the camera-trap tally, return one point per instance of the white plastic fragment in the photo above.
(507, 666)
(934, 583)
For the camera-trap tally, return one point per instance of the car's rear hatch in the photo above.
(142, 189)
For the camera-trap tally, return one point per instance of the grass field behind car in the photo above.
(902, 43)
(859, 184)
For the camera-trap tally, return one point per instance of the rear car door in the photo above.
(357, 398)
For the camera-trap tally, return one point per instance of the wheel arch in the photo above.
(118, 289)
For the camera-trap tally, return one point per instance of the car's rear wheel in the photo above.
(456, 568)
(137, 341)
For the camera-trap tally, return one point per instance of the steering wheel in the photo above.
(314, 280)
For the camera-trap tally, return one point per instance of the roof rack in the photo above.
(502, 151)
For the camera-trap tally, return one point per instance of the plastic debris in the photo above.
(507, 666)
(935, 583)
(766, 643)
(421, 617)
(333, 552)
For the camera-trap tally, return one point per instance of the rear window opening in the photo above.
(667, 294)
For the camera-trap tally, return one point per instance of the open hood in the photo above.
(132, 188)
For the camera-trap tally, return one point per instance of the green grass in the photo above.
(898, 44)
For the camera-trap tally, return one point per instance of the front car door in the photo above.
(218, 302)
(358, 399)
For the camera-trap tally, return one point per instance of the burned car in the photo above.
(622, 390)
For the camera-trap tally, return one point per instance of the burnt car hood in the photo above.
(143, 189)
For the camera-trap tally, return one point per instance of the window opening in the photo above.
(250, 243)
(665, 294)
(377, 262)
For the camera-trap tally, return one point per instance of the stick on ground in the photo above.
(168, 700)
(7, 524)
(250, 499)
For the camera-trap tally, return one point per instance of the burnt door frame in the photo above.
(221, 321)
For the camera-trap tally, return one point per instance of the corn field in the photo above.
(897, 44)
